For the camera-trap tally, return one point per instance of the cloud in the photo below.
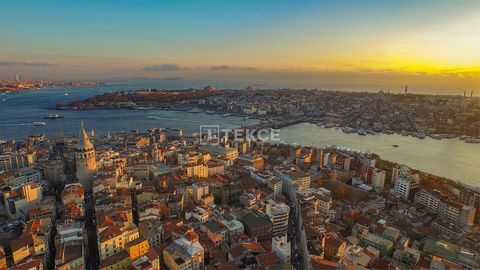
(228, 67)
(27, 63)
(165, 67)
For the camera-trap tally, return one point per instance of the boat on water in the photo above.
(472, 140)
(226, 115)
(195, 110)
(39, 123)
(210, 112)
(420, 135)
(361, 132)
(54, 116)
(347, 130)
(4, 100)
(395, 145)
(464, 137)
(436, 136)
(66, 94)
(153, 117)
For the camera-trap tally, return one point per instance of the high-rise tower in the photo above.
(85, 160)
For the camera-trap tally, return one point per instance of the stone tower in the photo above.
(85, 160)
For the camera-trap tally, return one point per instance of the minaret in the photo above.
(85, 160)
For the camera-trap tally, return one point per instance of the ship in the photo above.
(361, 132)
(420, 135)
(195, 110)
(54, 116)
(39, 123)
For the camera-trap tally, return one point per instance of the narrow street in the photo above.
(93, 260)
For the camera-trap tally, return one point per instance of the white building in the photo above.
(378, 178)
(281, 247)
(278, 214)
(396, 171)
(69, 230)
(405, 185)
(428, 198)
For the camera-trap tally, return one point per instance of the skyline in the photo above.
(432, 46)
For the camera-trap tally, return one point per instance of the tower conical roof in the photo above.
(84, 140)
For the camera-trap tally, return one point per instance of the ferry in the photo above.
(39, 123)
(420, 135)
(54, 116)
(195, 110)
(361, 132)
(436, 136)
(472, 140)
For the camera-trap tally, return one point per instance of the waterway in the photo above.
(451, 158)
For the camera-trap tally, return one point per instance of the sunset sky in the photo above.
(429, 45)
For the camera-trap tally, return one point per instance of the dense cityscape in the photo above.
(438, 116)
(159, 199)
(19, 84)
(240, 135)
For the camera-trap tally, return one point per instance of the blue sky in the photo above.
(255, 40)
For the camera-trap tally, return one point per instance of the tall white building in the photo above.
(278, 214)
(378, 178)
(85, 160)
(396, 171)
(406, 184)
(428, 198)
